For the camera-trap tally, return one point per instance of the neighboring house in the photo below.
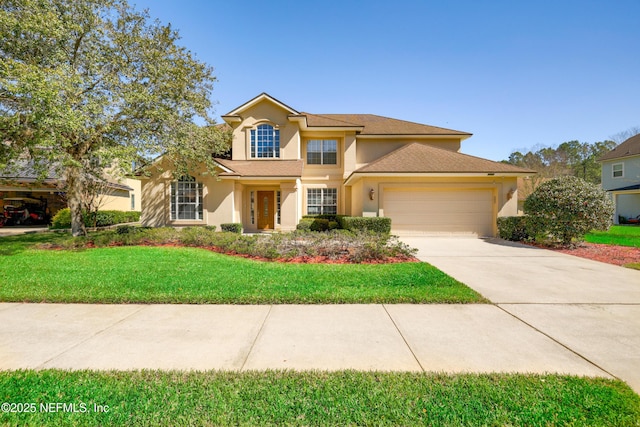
(621, 177)
(23, 182)
(286, 164)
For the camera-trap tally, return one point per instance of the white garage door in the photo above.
(421, 211)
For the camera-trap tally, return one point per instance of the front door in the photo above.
(265, 210)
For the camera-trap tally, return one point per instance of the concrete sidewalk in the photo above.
(450, 338)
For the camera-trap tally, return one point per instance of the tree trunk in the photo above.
(74, 198)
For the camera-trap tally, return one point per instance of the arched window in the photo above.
(265, 142)
(186, 199)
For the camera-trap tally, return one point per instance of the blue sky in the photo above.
(514, 73)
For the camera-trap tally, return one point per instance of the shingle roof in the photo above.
(630, 147)
(25, 172)
(262, 168)
(421, 158)
(377, 125)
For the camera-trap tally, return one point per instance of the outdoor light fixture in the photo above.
(372, 194)
(510, 194)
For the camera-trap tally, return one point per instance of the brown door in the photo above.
(265, 210)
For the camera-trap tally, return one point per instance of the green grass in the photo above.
(622, 235)
(190, 275)
(315, 398)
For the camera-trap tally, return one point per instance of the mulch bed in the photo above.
(617, 255)
(305, 259)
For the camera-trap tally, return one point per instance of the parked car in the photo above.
(24, 211)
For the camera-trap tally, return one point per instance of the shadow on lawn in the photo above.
(12, 245)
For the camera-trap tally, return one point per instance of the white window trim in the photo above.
(613, 171)
(322, 152)
(173, 199)
(322, 204)
(253, 150)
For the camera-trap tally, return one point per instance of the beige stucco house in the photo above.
(286, 164)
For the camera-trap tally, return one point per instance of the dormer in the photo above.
(262, 130)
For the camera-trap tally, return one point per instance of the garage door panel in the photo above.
(417, 211)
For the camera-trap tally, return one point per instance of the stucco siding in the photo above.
(219, 204)
(266, 113)
(154, 208)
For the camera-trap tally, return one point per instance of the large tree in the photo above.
(571, 158)
(91, 84)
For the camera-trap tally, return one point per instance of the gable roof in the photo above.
(378, 125)
(234, 114)
(630, 147)
(421, 158)
(364, 124)
(261, 168)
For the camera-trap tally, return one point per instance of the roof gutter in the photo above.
(358, 175)
(301, 119)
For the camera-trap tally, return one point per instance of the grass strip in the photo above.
(621, 235)
(312, 398)
(190, 275)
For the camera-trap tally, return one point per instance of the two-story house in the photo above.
(621, 177)
(286, 164)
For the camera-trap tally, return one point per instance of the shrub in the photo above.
(125, 229)
(304, 224)
(62, 219)
(329, 217)
(354, 246)
(378, 224)
(565, 209)
(232, 227)
(319, 224)
(513, 228)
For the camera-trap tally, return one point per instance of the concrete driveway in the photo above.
(588, 307)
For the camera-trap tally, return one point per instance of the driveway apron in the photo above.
(588, 307)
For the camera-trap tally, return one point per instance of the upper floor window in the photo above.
(186, 199)
(265, 142)
(618, 170)
(322, 152)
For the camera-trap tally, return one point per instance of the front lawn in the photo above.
(621, 235)
(89, 398)
(140, 274)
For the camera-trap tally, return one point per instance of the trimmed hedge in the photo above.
(513, 228)
(329, 217)
(233, 227)
(322, 222)
(62, 219)
(305, 224)
(352, 223)
(376, 224)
